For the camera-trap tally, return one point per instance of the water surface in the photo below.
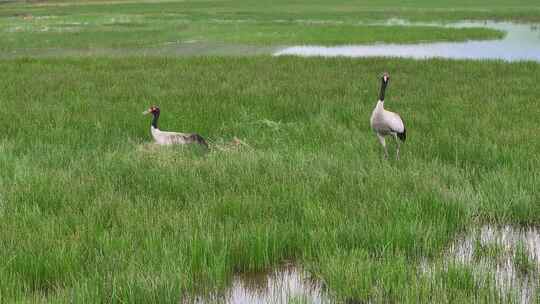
(513, 284)
(287, 284)
(291, 284)
(521, 42)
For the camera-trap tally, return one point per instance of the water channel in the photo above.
(521, 42)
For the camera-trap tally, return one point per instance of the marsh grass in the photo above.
(92, 212)
(31, 29)
(100, 33)
(491, 251)
(522, 260)
(524, 10)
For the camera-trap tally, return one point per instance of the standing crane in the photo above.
(385, 123)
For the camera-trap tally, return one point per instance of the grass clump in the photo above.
(522, 261)
(490, 251)
(460, 279)
(298, 300)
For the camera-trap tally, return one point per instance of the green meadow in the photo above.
(32, 29)
(92, 212)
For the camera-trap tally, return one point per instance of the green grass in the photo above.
(491, 252)
(35, 28)
(92, 213)
(522, 261)
(57, 34)
(526, 10)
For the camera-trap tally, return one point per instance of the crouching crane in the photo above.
(169, 138)
(385, 123)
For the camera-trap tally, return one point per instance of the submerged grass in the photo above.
(490, 251)
(92, 213)
(522, 261)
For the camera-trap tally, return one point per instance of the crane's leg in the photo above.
(383, 143)
(397, 142)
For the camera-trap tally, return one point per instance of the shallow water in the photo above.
(521, 42)
(511, 283)
(287, 284)
(290, 284)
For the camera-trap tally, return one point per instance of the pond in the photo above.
(507, 256)
(286, 284)
(521, 42)
(510, 256)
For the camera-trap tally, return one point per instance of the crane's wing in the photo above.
(395, 122)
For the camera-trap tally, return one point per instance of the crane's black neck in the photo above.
(383, 89)
(155, 119)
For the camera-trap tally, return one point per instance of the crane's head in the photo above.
(154, 110)
(385, 77)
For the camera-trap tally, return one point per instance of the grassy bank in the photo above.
(91, 212)
(59, 34)
(123, 25)
(520, 10)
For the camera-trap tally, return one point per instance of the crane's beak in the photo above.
(146, 112)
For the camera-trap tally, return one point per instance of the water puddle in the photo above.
(521, 42)
(287, 284)
(507, 256)
(511, 256)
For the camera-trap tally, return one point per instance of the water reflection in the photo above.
(492, 250)
(489, 251)
(287, 284)
(521, 42)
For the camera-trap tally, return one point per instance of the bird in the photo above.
(170, 138)
(385, 123)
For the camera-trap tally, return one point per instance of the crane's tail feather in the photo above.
(199, 139)
(402, 135)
